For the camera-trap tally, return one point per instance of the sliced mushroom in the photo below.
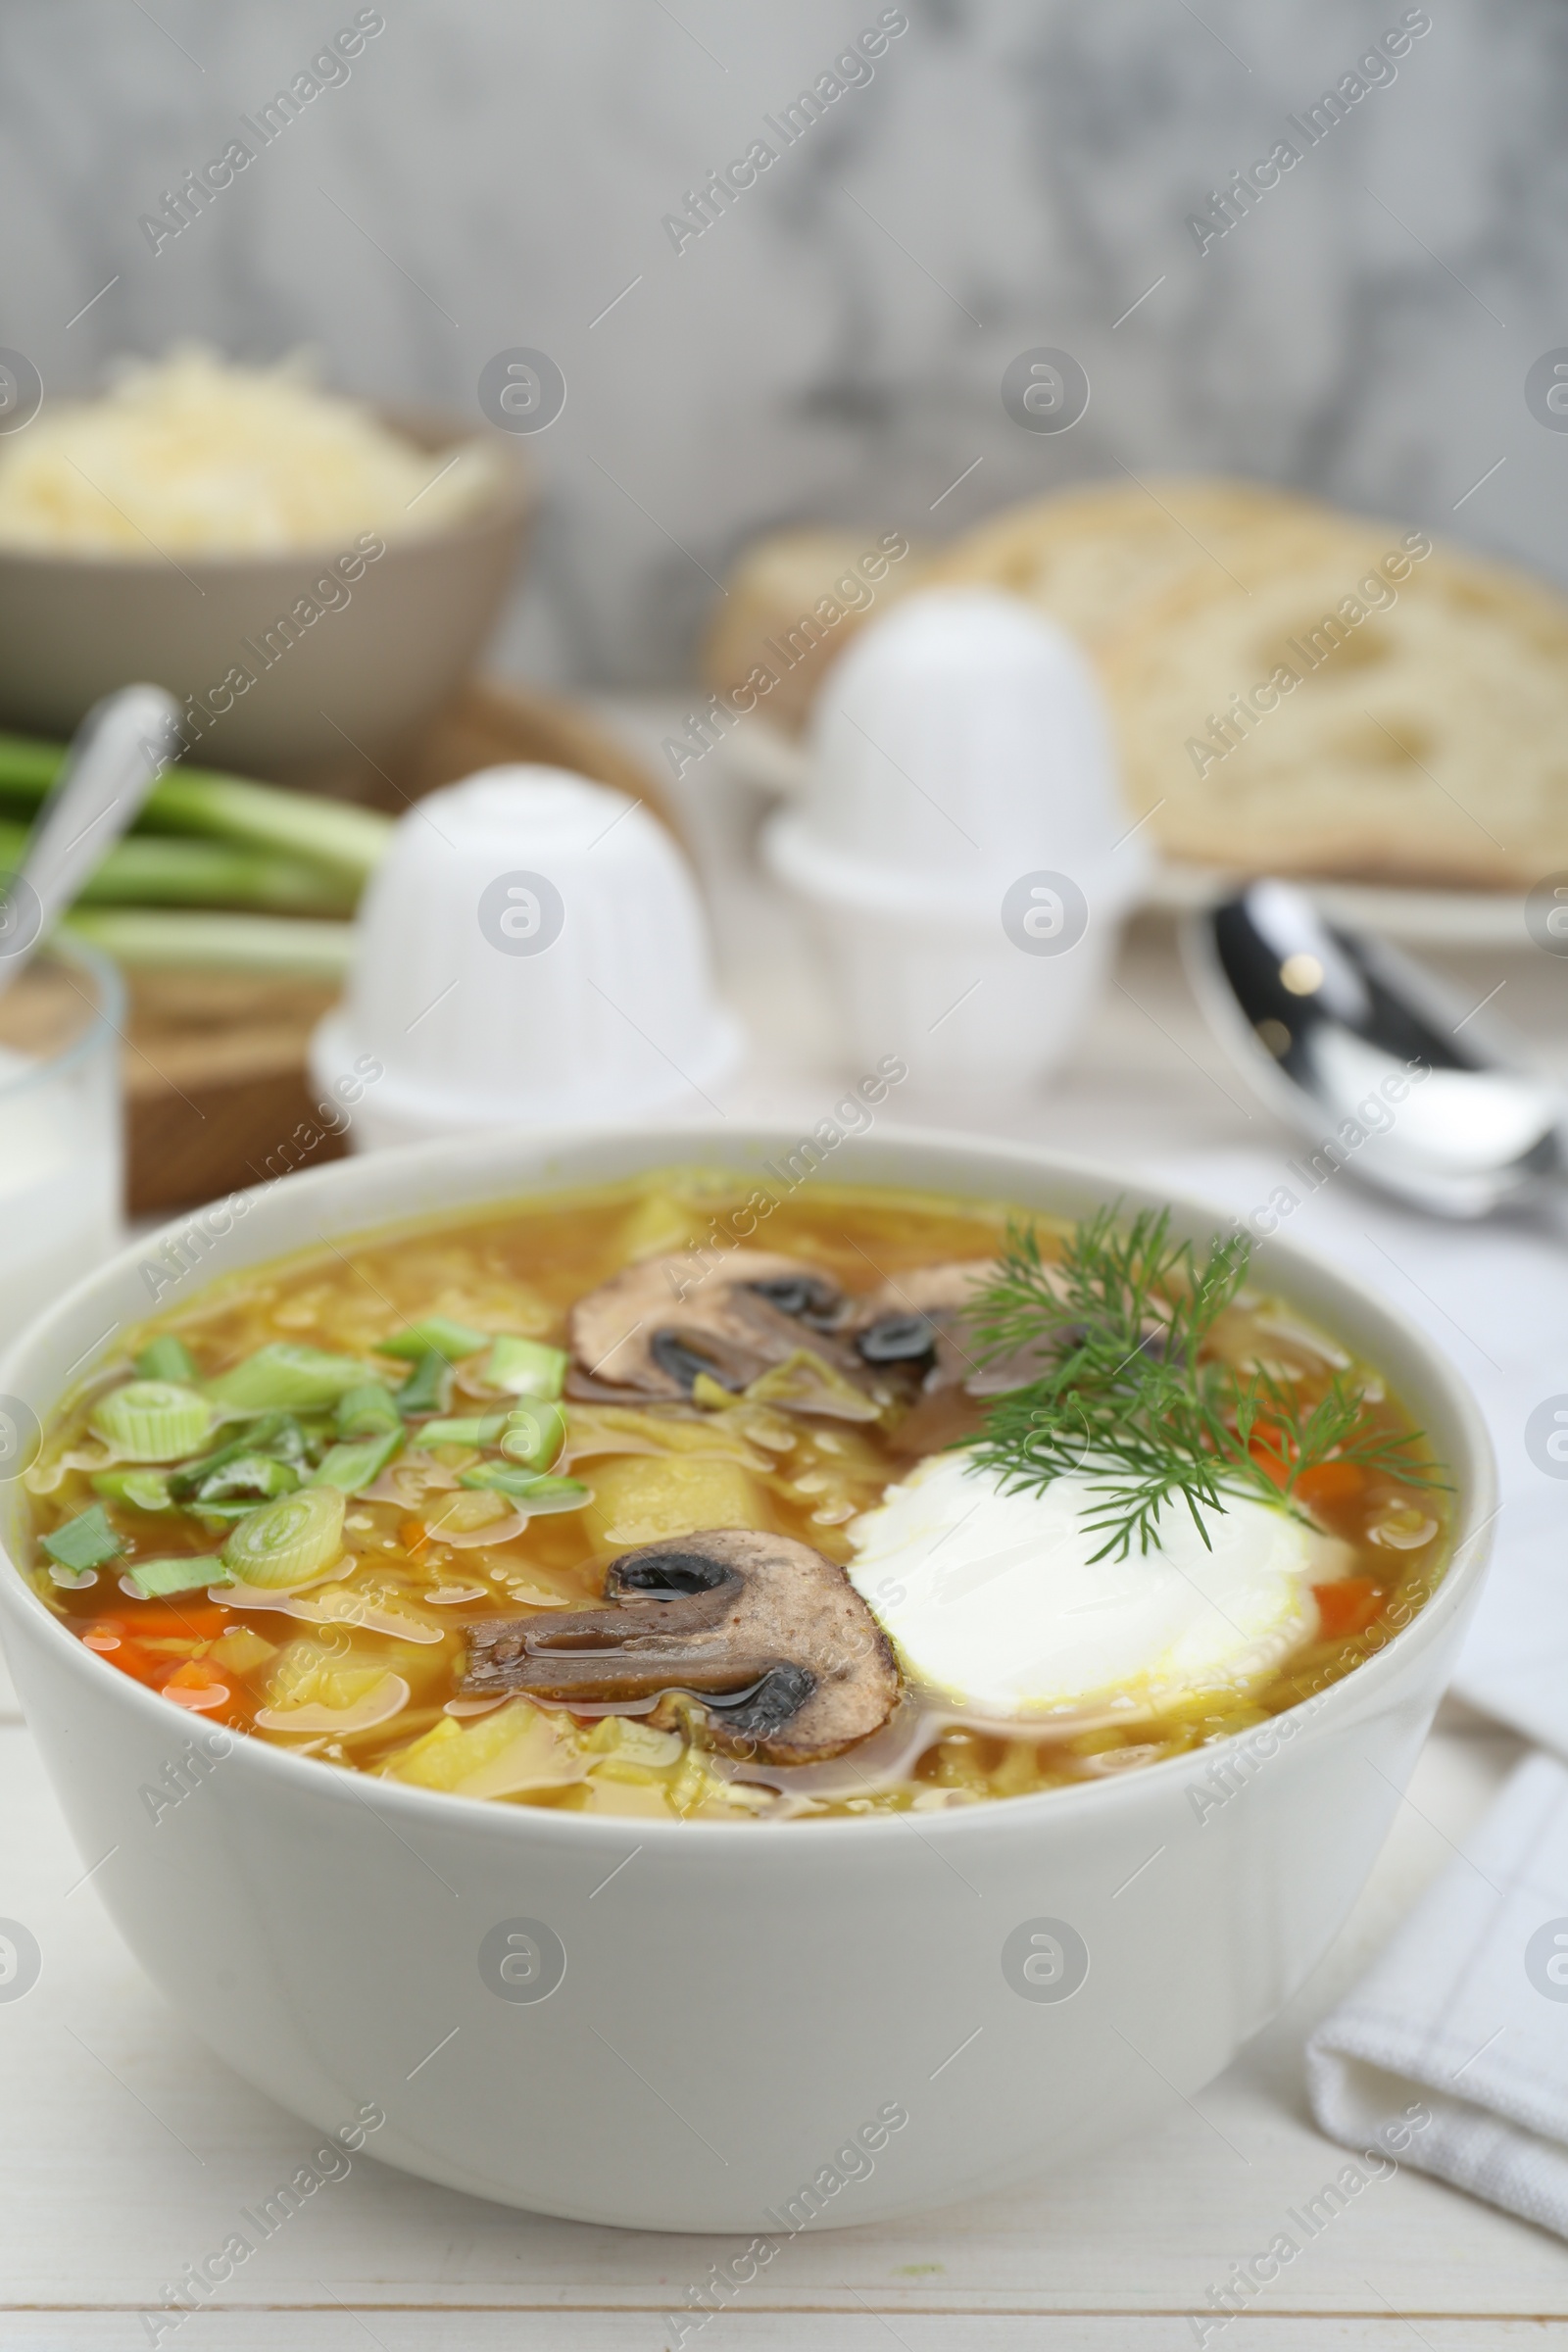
(773, 1637)
(911, 1322)
(920, 1323)
(922, 1320)
(653, 1328)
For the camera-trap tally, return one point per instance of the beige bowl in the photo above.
(385, 650)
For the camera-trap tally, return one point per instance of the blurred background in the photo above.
(1017, 172)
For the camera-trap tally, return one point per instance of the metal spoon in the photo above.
(1372, 1057)
(116, 754)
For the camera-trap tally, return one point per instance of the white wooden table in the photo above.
(127, 2151)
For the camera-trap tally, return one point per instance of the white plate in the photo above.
(1414, 918)
(763, 758)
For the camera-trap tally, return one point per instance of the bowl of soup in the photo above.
(688, 1679)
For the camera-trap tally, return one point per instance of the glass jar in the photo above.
(62, 1150)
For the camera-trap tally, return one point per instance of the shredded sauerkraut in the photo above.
(191, 452)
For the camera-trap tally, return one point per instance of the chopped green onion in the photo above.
(153, 1420)
(154, 1580)
(530, 1434)
(290, 1542)
(275, 1433)
(426, 1389)
(183, 1482)
(449, 1340)
(284, 1373)
(247, 1479)
(358, 1464)
(291, 1440)
(367, 1412)
(168, 1358)
(528, 1488)
(143, 1490)
(481, 1430)
(85, 1541)
(526, 1367)
(534, 1435)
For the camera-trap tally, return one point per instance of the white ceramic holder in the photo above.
(962, 850)
(531, 950)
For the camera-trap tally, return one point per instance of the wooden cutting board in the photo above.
(217, 1092)
(486, 726)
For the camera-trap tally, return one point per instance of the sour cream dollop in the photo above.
(995, 1599)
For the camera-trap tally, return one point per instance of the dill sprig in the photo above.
(1131, 1400)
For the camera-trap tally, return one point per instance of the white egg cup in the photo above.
(963, 851)
(531, 950)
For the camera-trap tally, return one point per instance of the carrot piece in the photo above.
(1330, 1481)
(1269, 1450)
(194, 1685)
(1346, 1607)
(115, 1640)
(412, 1535)
(126, 1657)
(193, 1619)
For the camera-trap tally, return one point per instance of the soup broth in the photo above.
(483, 1509)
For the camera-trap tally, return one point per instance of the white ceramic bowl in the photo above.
(740, 2005)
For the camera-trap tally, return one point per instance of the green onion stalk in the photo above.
(156, 869)
(286, 867)
(267, 946)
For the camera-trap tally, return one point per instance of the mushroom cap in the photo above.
(915, 1320)
(769, 1633)
(651, 1328)
(918, 1318)
(943, 1289)
(919, 1324)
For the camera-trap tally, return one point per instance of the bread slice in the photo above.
(1085, 557)
(778, 588)
(1425, 741)
(1093, 558)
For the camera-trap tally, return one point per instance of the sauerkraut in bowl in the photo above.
(198, 455)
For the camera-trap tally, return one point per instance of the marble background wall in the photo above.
(1018, 172)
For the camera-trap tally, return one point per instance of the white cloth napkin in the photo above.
(1464, 2019)
(1493, 1296)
